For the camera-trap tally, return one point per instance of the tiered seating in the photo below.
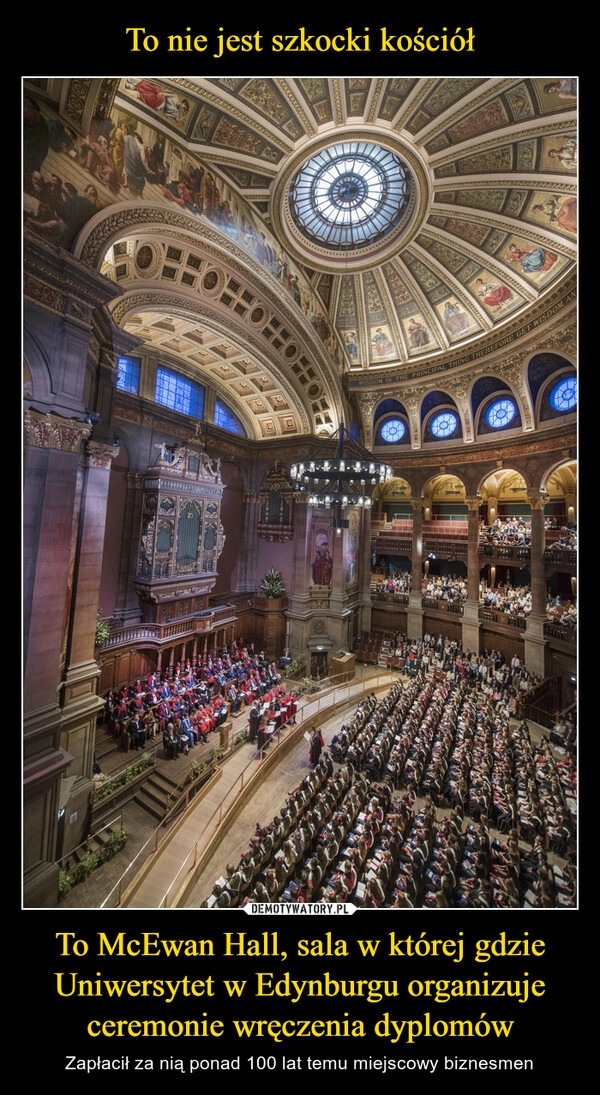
(367, 648)
(446, 529)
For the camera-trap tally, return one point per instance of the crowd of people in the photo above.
(185, 703)
(509, 530)
(512, 600)
(496, 811)
(446, 588)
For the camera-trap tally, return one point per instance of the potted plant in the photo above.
(102, 629)
(272, 584)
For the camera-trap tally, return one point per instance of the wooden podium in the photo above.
(343, 667)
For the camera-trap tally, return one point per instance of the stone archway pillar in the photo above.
(470, 623)
(414, 614)
(535, 643)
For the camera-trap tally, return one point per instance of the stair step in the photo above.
(92, 845)
(150, 805)
(162, 781)
(155, 793)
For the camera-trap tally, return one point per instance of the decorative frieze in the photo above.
(50, 431)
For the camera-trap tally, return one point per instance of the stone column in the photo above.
(52, 500)
(299, 602)
(535, 644)
(127, 609)
(248, 559)
(470, 622)
(79, 701)
(414, 614)
(364, 572)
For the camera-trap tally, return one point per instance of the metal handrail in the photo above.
(313, 706)
(310, 710)
(92, 836)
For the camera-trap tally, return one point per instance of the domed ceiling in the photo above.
(401, 219)
(495, 162)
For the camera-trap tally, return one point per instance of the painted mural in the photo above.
(494, 294)
(560, 154)
(455, 319)
(418, 335)
(351, 552)
(322, 565)
(556, 211)
(381, 341)
(532, 261)
(68, 179)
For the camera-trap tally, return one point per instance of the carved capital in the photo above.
(536, 501)
(473, 504)
(100, 456)
(49, 431)
(368, 400)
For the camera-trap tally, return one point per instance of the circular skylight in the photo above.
(444, 424)
(349, 194)
(500, 413)
(393, 430)
(563, 396)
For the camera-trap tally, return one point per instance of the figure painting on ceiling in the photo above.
(535, 261)
(565, 88)
(493, 293)
(322, 566)
(351, 345)
(455, 321)
(418, 334)
(565, 156)
(382, 342)
(558, 211)
(152, 95)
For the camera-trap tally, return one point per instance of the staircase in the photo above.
(94, 844)
(154, 794)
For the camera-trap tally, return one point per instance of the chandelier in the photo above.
(347, 479)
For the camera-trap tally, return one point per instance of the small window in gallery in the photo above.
(393, 431)
(227, 420)
(128, 375)
(563, 396)
(178, 393)
(500, 413)
(444, 424)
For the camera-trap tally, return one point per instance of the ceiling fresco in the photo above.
(491, 229)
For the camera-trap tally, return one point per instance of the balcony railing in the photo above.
(518, 552)
(565, 556)
(502, 618)
(563, 634)
(456, 608)
(174, 629)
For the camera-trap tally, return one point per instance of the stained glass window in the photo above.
(349, 194)
(179, 393)
(500, 413)
(393, 430)
(128, 375)
(444, 424)
(563, 396)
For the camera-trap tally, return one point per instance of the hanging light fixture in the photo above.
(344, 193)
(346, 479)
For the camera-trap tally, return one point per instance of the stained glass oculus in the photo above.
(393, 430)
(500, 413)
(444, 424)
(563, 396)
(349, 195)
